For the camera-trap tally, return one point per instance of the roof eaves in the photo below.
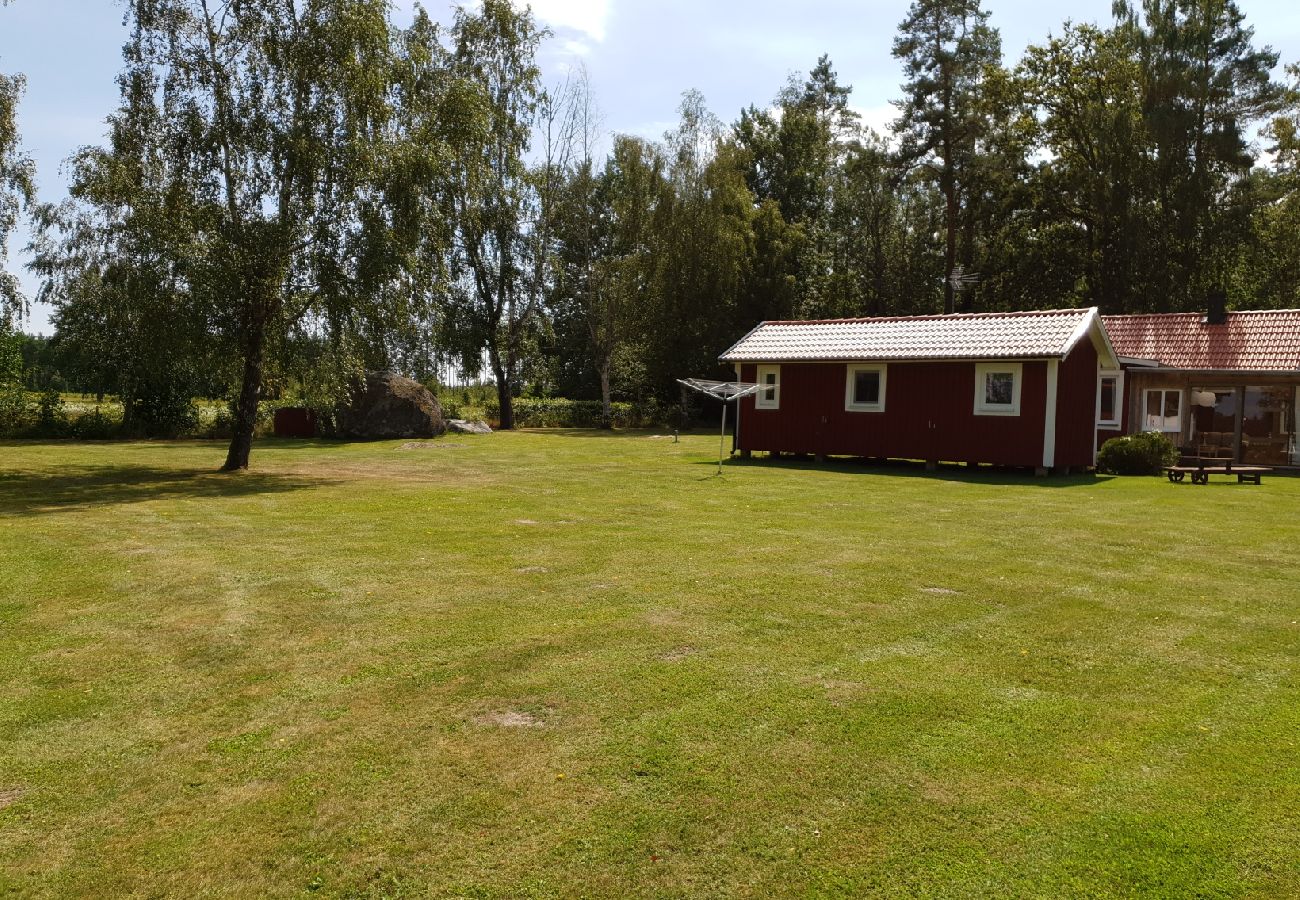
(724, 357)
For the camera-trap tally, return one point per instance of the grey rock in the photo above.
(463, 426)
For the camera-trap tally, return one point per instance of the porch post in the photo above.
(1236, 429)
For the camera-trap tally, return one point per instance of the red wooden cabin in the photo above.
(1223, 384)
(1013, 389)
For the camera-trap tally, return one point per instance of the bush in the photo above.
(15, 412)
(160, 409)
(51, 417)
(95, 425)
(1137, 454)
(555, 412)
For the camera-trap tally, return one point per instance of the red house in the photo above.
(1223, 384)
(1013, 389)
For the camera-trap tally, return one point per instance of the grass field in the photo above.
(573, 664)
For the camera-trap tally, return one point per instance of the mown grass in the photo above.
(572, 664)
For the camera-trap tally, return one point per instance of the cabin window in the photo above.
(769, 395)
(1163, 411)
(864, 389)
(997, 389)
(1110, 399)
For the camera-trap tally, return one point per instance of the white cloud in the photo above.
(589, 17)
(878, 118)
(575, 47)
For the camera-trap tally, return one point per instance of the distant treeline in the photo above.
(293, 202)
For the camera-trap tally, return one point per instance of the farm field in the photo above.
(576, 664)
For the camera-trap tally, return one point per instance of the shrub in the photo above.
(95, 425)
(51, 417)
(1137, 454)
(15, 411)
(161, 408)
(556, 412)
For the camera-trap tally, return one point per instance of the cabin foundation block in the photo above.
(932, 465)
(1040, 472)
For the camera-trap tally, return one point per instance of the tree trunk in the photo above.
(950, 234)
(505, 403)
(607, 413)
(241, 443)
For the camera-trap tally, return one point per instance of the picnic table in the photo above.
(1202, 467)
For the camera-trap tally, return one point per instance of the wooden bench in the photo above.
(1202, 467)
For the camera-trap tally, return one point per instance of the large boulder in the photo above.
(390, 406)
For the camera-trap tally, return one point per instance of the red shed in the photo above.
(1016, 389)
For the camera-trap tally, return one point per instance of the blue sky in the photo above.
(640, 54)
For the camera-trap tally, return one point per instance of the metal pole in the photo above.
(722, 438)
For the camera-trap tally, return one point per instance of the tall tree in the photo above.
(1093, 187)
(17, 186)
(253, 156)
(947, 48)
(611, 257)
(1205, 87)
(705, 247)
(502, 208)
(1268, 270)
(794, 150)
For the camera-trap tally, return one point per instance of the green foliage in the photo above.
(504, 209)
(51, 417)
(1144, 453)
(95, 425)
(948, 51)
(262, 181)
(14, 413)
(17, 187)
(560, 413)
(163, 409)
(283, 205)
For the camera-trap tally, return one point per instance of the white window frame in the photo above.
(761, 400)
(1182, 407)
(850, 380)
(982, 371)
(1117, 420)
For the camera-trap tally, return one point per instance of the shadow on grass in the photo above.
(599, 432)
(26, 493)
(912, 469)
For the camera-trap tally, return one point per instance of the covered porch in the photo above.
(1248, 417)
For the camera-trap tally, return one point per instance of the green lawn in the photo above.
(573, 664)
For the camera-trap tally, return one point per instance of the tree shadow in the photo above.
(34, 493)
(660, 433)
(901, 468)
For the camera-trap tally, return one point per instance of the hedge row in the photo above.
(48, 415)
(561, 413)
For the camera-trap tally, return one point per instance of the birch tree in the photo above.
(254, 156)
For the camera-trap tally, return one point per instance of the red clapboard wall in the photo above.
(1076, 406)
(929, 414)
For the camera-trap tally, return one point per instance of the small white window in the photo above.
(769, 395)
(864, 389)
(1162, 410)
(997, 389)
(1110, 399)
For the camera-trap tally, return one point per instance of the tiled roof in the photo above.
(1267, 340)
(1012, 335)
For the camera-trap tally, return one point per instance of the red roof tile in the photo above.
(1266, 340)
(1012, 335)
